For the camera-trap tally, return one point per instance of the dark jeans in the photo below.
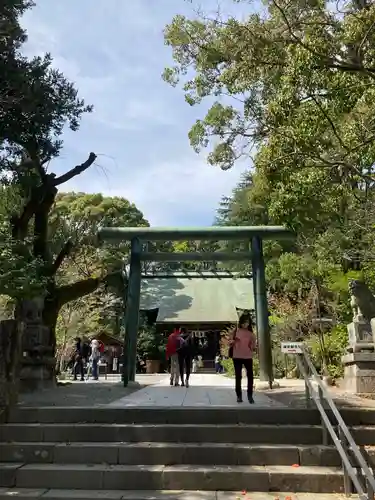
(78, 369)
(184, 361)
(95, 374)
(238, 363)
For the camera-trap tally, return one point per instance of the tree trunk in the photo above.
(39, 341)
(59, 296)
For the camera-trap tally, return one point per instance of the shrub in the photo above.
(335, 343)
(150, 343)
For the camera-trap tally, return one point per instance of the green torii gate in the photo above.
(253, 234)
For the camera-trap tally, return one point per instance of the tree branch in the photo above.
(78, 169)
(74, 291)
(329, 62)
(20, 223)
(64, 252)
(332, 125)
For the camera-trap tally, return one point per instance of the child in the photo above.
(195, 365)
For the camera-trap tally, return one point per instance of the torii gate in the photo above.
(253, 234)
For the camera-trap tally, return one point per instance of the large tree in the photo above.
(76, 217)
(37, 102)
(294, 85)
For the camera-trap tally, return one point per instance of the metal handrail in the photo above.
(344, 438)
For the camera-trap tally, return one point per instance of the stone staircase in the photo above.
(118, 453)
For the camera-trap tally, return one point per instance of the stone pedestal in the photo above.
(37, 361)
(360, 336)
(359, 372)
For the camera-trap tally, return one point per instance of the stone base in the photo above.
(359, 372)
(36, 376)
(360, 336)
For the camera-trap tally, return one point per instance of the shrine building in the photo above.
(202, 302)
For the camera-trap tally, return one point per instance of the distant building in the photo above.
(204, 303)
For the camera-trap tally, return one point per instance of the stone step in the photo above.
(53, 494)
(264, 434)
(180, 477)
(184, 415)
(172, 453)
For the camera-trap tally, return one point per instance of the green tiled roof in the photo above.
(191, 299)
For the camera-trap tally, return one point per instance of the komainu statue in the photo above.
(360, 330)
(362, 301)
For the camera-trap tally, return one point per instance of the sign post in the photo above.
(291, 347)
(297, 349)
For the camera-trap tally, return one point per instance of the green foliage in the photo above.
(304, 99)
(228, 367)
(335, 342)
(77, 216)
(21, 274)
(292, 86)
(151, 344)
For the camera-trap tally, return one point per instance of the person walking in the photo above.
(78, 360)
(218, 367)
(242, 347)
(94, 358)
(171, 354)
(185, 356)
(195, 365)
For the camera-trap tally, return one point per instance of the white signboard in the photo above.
(291, 347)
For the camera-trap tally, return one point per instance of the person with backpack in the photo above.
(242, 348)
(185, 351)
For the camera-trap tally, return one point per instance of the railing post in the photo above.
(348, 487)
(370, 490)
(324, 427)
(307, 389)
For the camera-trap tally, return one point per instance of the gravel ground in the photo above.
(88, 393)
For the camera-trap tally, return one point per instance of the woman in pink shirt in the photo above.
(244, 344)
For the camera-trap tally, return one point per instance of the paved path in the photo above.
(88, 393)
(205, 390)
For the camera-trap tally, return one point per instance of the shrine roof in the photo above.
(197, 298)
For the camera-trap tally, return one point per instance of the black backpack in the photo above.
(183, 344)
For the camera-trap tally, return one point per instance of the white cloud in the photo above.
(114, 51)
(181, 192)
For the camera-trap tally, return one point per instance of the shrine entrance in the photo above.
(208, 345)
(252, 235)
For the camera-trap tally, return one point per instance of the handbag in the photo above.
(230, 352)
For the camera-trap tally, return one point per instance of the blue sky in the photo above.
(114, 51)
